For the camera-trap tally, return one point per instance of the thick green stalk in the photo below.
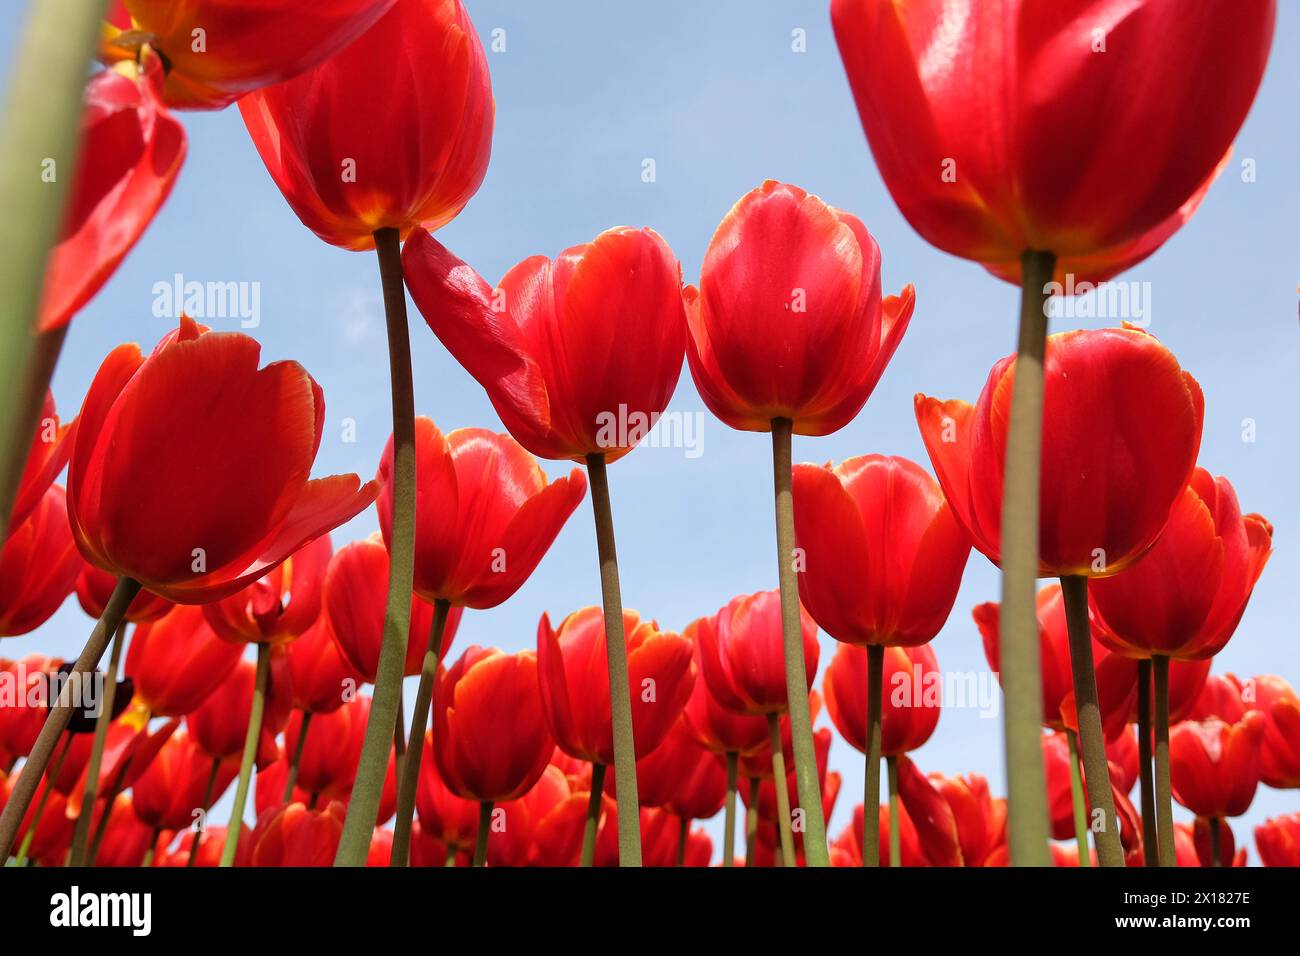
(484, 827)
(81, 832)
(372, 768)
(796, 676)
(1076, 799)
(729, 815)
(1164, 797)
(593, 814)
(620, 694)
(1027, 817)
(251, 738)
(871, 776)
(45, 797)
(1146, 785)
(410, 776)
(895, 824)
(20, 798)
(780, 782)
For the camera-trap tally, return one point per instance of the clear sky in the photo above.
(714, 94)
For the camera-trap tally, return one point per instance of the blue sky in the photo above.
(714, 94)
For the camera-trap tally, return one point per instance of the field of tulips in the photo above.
(282, 667)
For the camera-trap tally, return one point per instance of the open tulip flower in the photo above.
(1278, 840)
(39, 565)
(957, 822)
(278, 606)
(846, 849)
(543, 827)
(218, 50)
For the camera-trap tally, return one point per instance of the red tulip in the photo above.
(742, 656)
(209, 855)
(759, 764)
(126, 840)
(1109, 478)
(199, 414)
(661, 841)
(278, 607)
(39, 565)
(173, 787)
(1185, 598)
(129, 750)
(292, 835)
(1278, 840)
(1220, 697)
(1123, 765)
(846, 849)
(1214, 765)
(381, 848)
(220, 724)
(24, 715)
(1054, 648)
(713, 726)
(579, 355)
(829, 780)
(484, 513)
(1279, 756)
(966, 106)
(94, 587)
(332, 748)
(320, 676)
(575, 684)
(958, 823)
(1123, 756)
(1203, 844)
(356, 592)
(47, 457)
(489, 736)
(349, 169)
(680, 776)
(177, 661)
(450, 819)
(427, 850)
(788, 321)
(543, 827)
(910, 704)
(131, 153)
(53, 832)
(218, 50)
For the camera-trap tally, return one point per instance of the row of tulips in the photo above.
(787, 332)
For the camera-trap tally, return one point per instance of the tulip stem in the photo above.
(41, 130)
(751, 822)
(871, 777)
(796, 677)
(1096, 768)
(780, 783)
(372, 768)
(1077, 801)
(291, 776)
(593, 814)
(620, 694)
(895, 824)
(36, 384)
(484, 826)
(729, 815)
(53, 776)
(251, 739)
(201, 819)
(105, 717)
(38, 758)
(153, 847)
(410, 765)
(1216, 841)
(1164, 798)
(1150, 842)
(1018, 638)
(683, 834)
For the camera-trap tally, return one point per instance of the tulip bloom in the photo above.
(662, 836)
(94, 588)
(131, 153)
(39, 565)
(180, 780)
(1214, 765)
(681, 776)
(958, 823)
(450, 819)
(543, 827)
(788, 321)
(46, 457)
(715, 727)
(328, 753)
(177, 661)
(320, 675)
(279, 606)
(1278, 840)
(741, 653)
(220, 724)
(846, 849)
(28, 680)
(911, 705)
(1222, 697)
(293, 835)
(1279, 757)
(217, 51)
(972, 155)
(212, 844)
(1054, 648)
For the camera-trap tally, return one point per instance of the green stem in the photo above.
(208, 792)
(20, 798)
(35, 386)
(451, 856)
(1146, 785)
(1164, 797)
(82, 830)
(1216, 841)
(871, 777)
(895, 823)
(780, 783)
(620, 694)
(291, 776)
(40, 132)
(751, 822)
(796, 677)
(153, 848)
(683, 834)
(372, 768)
(484, 826)
(729, 815)
(410, 767)
(1027, 822)
(251, 739)
(1076, 799)
(593, 814)
(50, 780)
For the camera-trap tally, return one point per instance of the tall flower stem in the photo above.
(53, 776)
(620, 694)
(683, 834)
(56, 723)
(40, 131)
(751, 822)
(291, 778)
(796, 677)
(593, 814)
(484, 826)
(780, 782)
(729, 815)
(35, 385)
(1216, 841)
(251, 738)
(1146, 785)
(895, 824)
(410, 765)
(363, 807)
(1018, 630)
(200, 819)
(81, 832)
(871, 777)
(1076, 799)
(1164, 798)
